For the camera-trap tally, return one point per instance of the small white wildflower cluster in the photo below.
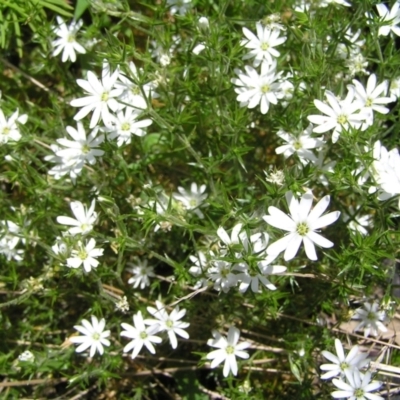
(9, 129)
(350, 51)
(371, 319)
(251, 253)
(251, 265)
(267, 86)
(228, 349)
(184, 202)
(143, 333)
(307, 6)
(385, 171)
(118, 101)
(82, 251)
(66, 42)
(10, 237)
(388, 19)
(345, 369)
(356, 111)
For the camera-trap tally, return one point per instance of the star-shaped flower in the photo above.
(84, 218)
(342, 364)
(66, 41)
(94, 336)
(301, 225)
(101, 96)
(371, 318)
(339, 115)
(262, 46)
(228, 350)
(86, 255)
(140, 335)
(169, 322)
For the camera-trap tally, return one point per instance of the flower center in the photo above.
(224, 272)
(369, 102)
(169, 323)
(126, 126)
(6, 130)
(264, 46)
(82, 254)
(342, 119)
(85, 227)
(265, 88)
(344, 365)
(359, 393)
(193, 202)
(143, 335)
(96, 336)
(230, 349)
(85, 149)
(71, 38)
(104, 96)
(371, 316)
(135, 90)
(297, 145)
(302, 229)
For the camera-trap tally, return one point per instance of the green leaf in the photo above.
(81, 7)
(55, 6)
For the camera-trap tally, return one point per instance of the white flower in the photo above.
(102, 96)
(66, 41)
(79, 151)
(94, 336)
(220, 272)
(358, 387)
(133, 94)
(122, 304)
(84, 218)
(169, 322)
(85, 255)
(235, 238)
(352, 46)
(275, 176)
(301, 225)
(386, 172)
(124, 125)
(371, 318)
(356, 222)
(371, 98)
(140, 335)
(248, 278)
(300, 144)
(228, 350)
(198, 48)
(200, 266)
(342, 364)
(141, 274)
(203, 24)
(192, 200)
(338, 2)
(179, 6)
(273, 21)
(392, 18)
(395, 88)
(357, 64)
(262, 46)
(254, 88)
(8, 127)
(338, 114)
(26, 356)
